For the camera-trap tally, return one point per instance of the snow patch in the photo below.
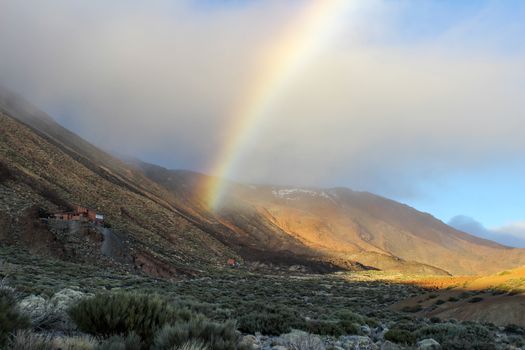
(296, 193)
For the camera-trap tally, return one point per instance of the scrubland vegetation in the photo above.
(51, 304)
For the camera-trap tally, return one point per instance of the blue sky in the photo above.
(494, 195)
(420, 101)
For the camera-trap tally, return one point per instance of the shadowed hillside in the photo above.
(48, 168)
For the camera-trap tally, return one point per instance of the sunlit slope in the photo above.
(497, 298)
(342, 225)
(348, 223)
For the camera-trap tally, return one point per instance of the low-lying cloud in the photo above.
(512, 235)
(376, 110)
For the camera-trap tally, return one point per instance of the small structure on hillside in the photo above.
(232, 262)
(81, 214)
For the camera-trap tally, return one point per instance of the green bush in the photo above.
(407, 325)
(27, 340)
(322, 327)
(458, 336)
(340, 323)
(350, 327)
(350, 316)
(435, 319)
(116, 342)
(216, 336)
(400, 336)
(269, 320)
(515, 329)
(10, 317)
(121, 313)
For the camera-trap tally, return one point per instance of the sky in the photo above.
(420, 101)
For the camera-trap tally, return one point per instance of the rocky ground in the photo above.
(296, 340)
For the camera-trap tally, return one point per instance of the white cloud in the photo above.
(512, 235)
(516, 229)
(159, 80)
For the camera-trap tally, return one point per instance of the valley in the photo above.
(335, 267)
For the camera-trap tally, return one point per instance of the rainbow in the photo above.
(299, 43)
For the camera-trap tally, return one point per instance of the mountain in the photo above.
(344, 225)
(45, 167)
(163, 226)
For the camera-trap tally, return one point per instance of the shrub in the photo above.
(269, 320)
(322, 327)
(475, 300)
(400, 336)
(299, 340)
(458, 336)
(515, 329)
(120, 313)
(116, 342)
(435, 319)
(73, 343)
(516, 340)
(196, 306)
(465, 295)
(27, 340)
(5, 173)
(350, 316)
(216, 336)
(440, 301)
(10, 317)
(45, 314)
(413, 308)
(193, 345)
(349, 327)
(407, 325)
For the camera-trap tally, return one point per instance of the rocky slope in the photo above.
(44, 167)
(340, 226)
(163, 219)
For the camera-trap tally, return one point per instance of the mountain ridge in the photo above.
(164, 215)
